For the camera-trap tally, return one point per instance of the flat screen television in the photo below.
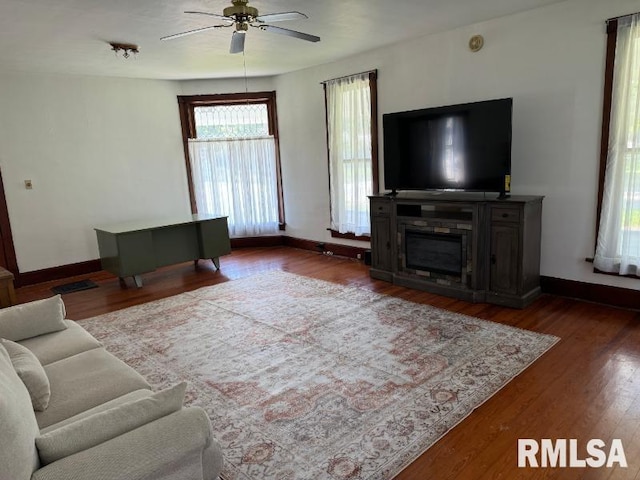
(463, 147)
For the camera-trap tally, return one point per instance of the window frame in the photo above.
(612, 36)
(373, 88)
(607, 102)
(187, 104)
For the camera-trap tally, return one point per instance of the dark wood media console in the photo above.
(467, 246)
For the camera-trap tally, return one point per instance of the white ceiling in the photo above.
(71, 36)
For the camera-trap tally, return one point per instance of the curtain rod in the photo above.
(347, 76)
(615, 19)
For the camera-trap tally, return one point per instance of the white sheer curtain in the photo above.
(237, 178)
(618, 243)
(349, 136)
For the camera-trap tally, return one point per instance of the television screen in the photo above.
(456, 147)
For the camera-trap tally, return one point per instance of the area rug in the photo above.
(306, 379)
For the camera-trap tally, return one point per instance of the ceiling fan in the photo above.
(243, 16)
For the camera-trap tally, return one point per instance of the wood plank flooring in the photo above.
(587, 386)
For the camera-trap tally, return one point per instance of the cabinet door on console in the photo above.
(381, 251)
(381, 239)
(505, 257)
(514, 274)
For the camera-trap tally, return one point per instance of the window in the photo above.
(618, 239)
(232, 121)
(233, 168)
(353, 152)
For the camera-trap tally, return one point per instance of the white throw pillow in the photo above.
(103, 426)
(32, 319)
(18, 426)
(30, 371)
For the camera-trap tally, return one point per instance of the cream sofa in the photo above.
(71, 410)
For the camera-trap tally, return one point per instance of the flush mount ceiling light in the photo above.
(126, 48)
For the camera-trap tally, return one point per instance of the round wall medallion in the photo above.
(476, 42)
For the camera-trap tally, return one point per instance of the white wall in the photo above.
(550, 60)
(227, 85)
(98, 150)
(103, 150)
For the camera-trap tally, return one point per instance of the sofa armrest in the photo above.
(179, 445)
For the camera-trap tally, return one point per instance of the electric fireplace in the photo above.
(433, 252)
(438, 251)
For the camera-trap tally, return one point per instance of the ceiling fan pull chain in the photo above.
(246, 81)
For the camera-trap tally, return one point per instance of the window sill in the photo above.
(350, 236)
(613, 274)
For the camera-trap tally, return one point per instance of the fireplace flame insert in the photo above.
(434, 252)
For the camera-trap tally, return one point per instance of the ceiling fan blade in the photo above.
(281, 17)
(191, 32)
(221, 17)
(237, 42)
(291, 33)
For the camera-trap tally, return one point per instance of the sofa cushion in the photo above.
(55, 346)
(171, 448)
(18, 427)
(32, 319)
(85, 380)
(100, 427)
(126, 398)
(30, 372)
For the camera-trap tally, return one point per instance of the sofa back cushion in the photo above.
(32, 319)
(18, 426)
(30, 371)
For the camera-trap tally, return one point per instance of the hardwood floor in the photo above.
(587, 386)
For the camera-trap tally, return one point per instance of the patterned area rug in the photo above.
(305, 379)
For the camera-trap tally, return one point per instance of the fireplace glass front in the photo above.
(434, 252)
